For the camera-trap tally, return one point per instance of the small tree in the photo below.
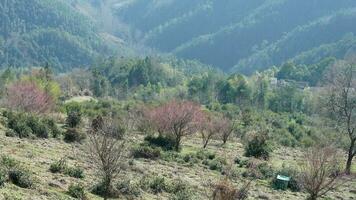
(226, 127)
(29, 97)
(319, 172)
(106, 147)
(342, 101)
(208, 129)
(74, 115)
(257, 145)
(215, 126)
(177, 119)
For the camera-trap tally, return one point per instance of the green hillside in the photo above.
(241, 35)
(34, 32)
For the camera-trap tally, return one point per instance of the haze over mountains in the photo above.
(234, 35)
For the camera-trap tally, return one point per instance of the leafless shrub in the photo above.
(224, 190)
(106, 145)
(320, 171)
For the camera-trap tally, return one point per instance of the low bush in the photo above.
(215, 164)
(157, 184)
(265, 170)
(8, 163)
(166, 143)
(51, 124)
(62, 167)
(179, 190)
(224, 190)
(127, 187)
(10, 133)
(74, 115)
(77, 191)
(25, 125)
(20, 177)
(58, 166)
(241, 162)
(146, 151)
(258, 147)
(3, 177)
(74, 135)
(98, 189)
(204, 154)
(75, 172)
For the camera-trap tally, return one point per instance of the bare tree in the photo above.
(320, 171)
(208, 129)
(342, 102)
(215, 125)
(106, 147)
(226, 128)
(177, 119)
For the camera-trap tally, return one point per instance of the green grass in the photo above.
(37, 155)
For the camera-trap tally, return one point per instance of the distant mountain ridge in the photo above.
(35, 32)
(233, 35)
(239, 35)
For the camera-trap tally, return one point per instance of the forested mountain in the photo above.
(234, 35)
(35, 32)
(242, 35)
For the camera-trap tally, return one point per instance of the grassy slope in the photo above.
(37, 155)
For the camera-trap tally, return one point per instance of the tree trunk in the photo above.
(350, 156)
(177, 144)
(313, 197)
(205, 144)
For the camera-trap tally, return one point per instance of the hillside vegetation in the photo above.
(240, 35)
(36, 32)
(159, 128)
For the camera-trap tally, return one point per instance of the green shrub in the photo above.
(51, 124)
(74, 115)
(73, 135)
(190, 158)
(204, 154)
(76, 191)
(25, 125)
(166, 143)
(39, 129)
(127, 187)
(8, 162)
(215, 165)
(265, 170)
(182, 195)
(258, 147)
(241, 162)
(99, 189)
(10, 133)
(146, 151)
(170, 156)
(157, 184)
(22, 130)
(58, 166)
(3, 177)
(75, 172)
(179, 190)
(20, 177)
